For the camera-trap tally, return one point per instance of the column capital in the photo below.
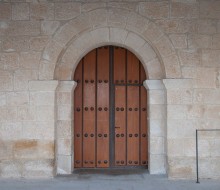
(154, 85)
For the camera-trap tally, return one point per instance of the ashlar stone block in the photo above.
(15, 43)
(5, 11)
(66, 11)
(184, 10)
(30, 60)
(38, 43)
(49, 27)
(154, 10)
(210, 9)
(6, 81)
(20, 11)
(42, 11)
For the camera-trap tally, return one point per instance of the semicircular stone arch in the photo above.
(99, 27)
(111, 26)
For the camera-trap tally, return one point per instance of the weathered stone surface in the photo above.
(6, 150)
(204, 96)
(64, 164)
(21, 78)
(181, 167)
(42, 11)
(154, 10)
(20, 11)
(207, 26)
(52, 51)
(11, 168)
(66, 11)
(157, 112)
(178, 83)
(39, 127)
(118, 35)
(135, 41)
(15, 43)
(46, 86)
(199, 41)
(205, 78)
(2, 98)
(157, 164)
(175, 147)
(117, 17)
(38, 43)
(30, 60)
(64, 146)
(92, 6)
(20, 28)
(49, 27)
(17, 98)
(189, 57)
(157, 128)
(137, 23)
(180, 26)
(210, 9)
(179, 40)
(184, 10)
(5, 11)
(45, 113)
(6, 81)
(172, 67)
(125, 5)
(64, 129)
(10, 61)
(164, 46)
(11, 130)
(210, 58)
(38, 168)
(157, 145)
(42, 98)
(180, 96)
(152, 33)
(64, 112)
(26, 113)
(216, 41)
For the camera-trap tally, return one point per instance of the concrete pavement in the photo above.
(109, 181)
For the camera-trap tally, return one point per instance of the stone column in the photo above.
(64, 128)
(181, 118)
(39, 131)
(156, 103)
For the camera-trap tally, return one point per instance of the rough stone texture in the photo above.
(42, 11)
(66, 11)
(20, 11)
(44, 40)
(5, 11)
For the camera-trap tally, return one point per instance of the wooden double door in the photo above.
(110, 115)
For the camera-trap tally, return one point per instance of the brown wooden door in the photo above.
(110, 115)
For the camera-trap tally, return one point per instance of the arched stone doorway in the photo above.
(86, 32)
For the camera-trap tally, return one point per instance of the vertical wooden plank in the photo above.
(133, 127)
(120, 106)
(144, 132)
(89, 110)
(103, 107)
(78, 117)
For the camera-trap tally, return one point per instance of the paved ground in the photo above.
(110, 181)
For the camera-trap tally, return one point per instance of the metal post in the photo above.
(197, 160)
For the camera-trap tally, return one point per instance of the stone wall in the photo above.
(40, 44)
